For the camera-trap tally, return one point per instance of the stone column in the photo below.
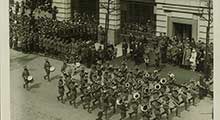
(114, 19)
(64, 9)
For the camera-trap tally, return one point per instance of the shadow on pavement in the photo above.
(36, 85)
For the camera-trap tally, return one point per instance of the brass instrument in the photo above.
(146, 90)
(147, 74)
(127, 84)
(171, 75)
(136, 95)
(119, 101)
(157, 86)
(173, 100)
(144, 108)
(163, 81)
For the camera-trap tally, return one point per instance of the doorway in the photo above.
(182, 31)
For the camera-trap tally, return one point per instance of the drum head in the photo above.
(30, 78)
(52, 69)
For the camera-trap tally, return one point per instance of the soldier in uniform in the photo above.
(25, 75)
(61, 91)
(134, 104)
(87, 100)
(123, 111)
(72, 94)
(47, 70)
(63, 68)
(97, 95)
(17, 7)
(105, 99)
(124, 49)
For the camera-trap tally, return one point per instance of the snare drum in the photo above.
(52, 69)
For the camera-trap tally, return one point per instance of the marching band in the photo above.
(132, 92)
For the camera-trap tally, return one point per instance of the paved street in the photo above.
(41, 104)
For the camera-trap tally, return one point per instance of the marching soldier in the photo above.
(105, 98)
(123, 111)
(87, 100)
(124, 49)
(47, 70)
(17, 7)
(63, 68)
(25, 75)
(100, 115)
(72, 94)
(61, 90)
(134, 104)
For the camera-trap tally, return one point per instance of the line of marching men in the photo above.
(116, 88)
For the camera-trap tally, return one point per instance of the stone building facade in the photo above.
(173, 17)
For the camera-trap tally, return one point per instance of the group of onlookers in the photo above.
(187, 53)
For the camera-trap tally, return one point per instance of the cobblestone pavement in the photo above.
(40, 102)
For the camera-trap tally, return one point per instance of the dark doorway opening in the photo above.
(182, 31)
(89, 7)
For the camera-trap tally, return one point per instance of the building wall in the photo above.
(167, 12)
(114, 19)
(64, 9)
(187, 12)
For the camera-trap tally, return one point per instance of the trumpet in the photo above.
(136, 95)
(163, 81)
(146, 90)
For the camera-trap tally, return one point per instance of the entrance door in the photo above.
(182, 31)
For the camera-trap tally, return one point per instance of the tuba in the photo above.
(146, 90)
(144, 108)
(136, 95)
(163, 81)
(127, 85)
(157, 86)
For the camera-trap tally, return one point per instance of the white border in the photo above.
(4, 52)
(4, 60)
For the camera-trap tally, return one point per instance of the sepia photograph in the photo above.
(111, 59)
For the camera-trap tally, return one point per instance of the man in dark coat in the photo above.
(124, 49)
(47, 70)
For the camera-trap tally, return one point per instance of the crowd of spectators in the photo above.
(187, 53)
(71, 40)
